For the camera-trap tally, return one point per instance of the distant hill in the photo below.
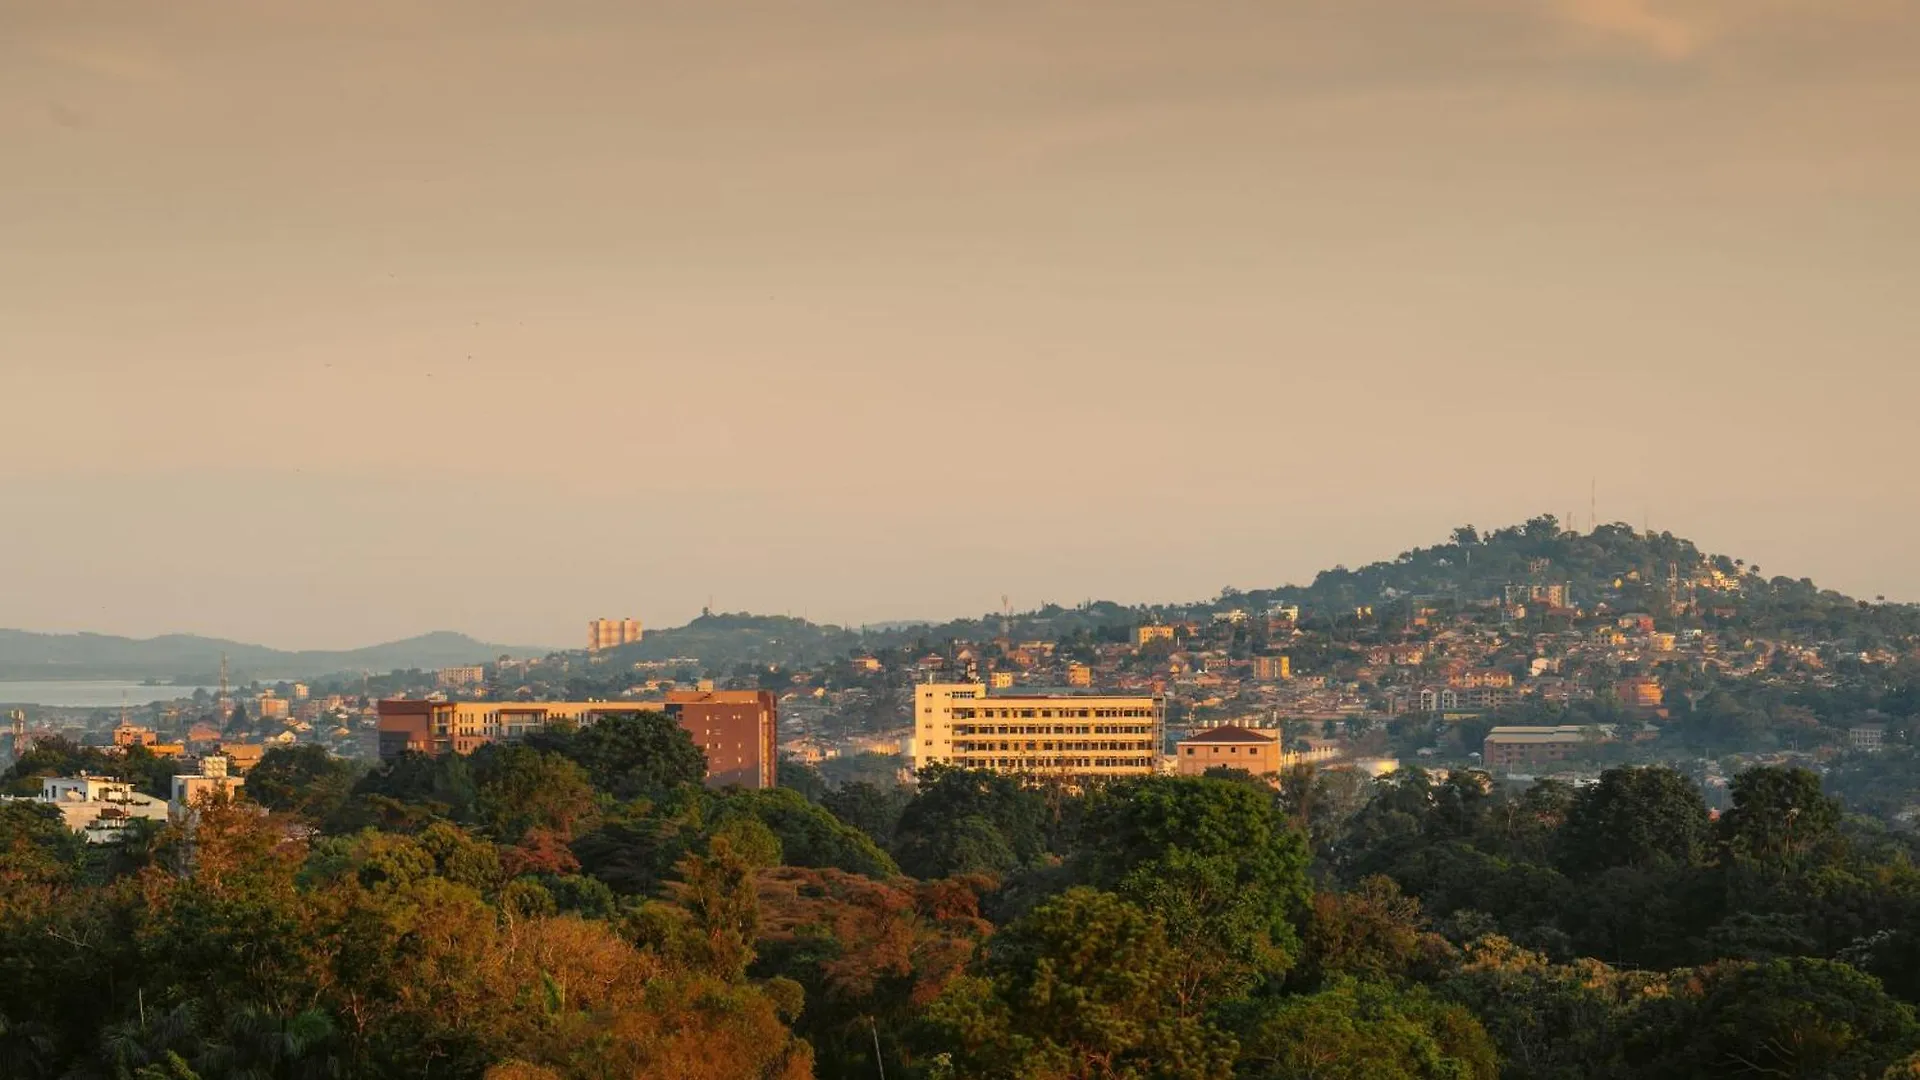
(725, 640)
(1613, 564)
(27, 655)
(1617, 565)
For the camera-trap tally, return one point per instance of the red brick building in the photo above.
(736, 728)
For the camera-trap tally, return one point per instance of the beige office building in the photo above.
(612, 633)
(1072, 735)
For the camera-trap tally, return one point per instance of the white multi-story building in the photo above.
(99, 807)
(1072, 735)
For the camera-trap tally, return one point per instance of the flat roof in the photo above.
(1069, 697)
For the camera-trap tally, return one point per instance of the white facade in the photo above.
(933, 719)
(1062, 735)
(211, 779)
(99, 807)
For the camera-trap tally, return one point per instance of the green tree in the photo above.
(635, 847)
(1218, 862)
(808, 834)
(1634, 817)
(1078, 989)
(1364, 1031)
(1778, 814)
(803, 778)
(629, 755)
(723, 912)
(35, 845)
(970, 821)
(521, 789)
(441, 786)
(53, 756)
(1550, 1022)
(866, 806)
(304, 780)
(1792, 1018)
(1372, 933)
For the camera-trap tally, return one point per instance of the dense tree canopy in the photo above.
(584, 907)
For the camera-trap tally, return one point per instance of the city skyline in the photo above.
(325, 327)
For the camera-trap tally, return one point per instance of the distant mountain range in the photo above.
(190, 658)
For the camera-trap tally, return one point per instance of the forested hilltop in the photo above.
(1614, 565)
(578, 906)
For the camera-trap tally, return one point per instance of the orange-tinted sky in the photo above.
(322, 323)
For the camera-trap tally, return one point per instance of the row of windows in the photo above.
(1049, 714)
(988, 747)
(1053, 729)
(1057, 764)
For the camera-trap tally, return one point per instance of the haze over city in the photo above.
(328, 324)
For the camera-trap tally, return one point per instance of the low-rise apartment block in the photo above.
(1509, 748)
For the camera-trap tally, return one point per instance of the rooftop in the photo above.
(1230, 734)
(1536, 738)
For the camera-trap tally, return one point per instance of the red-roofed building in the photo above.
(1257, 752)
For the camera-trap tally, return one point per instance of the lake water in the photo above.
(88, 693)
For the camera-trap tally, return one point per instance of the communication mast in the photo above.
(225, 700)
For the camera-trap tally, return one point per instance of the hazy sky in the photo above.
(325, 323)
